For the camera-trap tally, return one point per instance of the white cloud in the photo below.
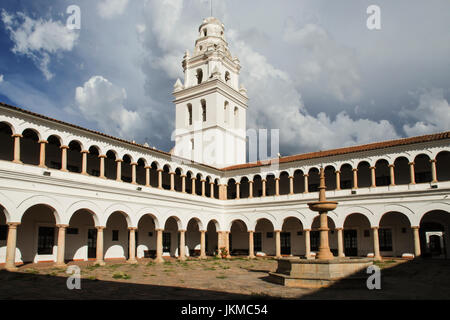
(276, 104)
(104, 103)
(1, 78)
(432, 114)
(38, 39)
(323, 62)
(108, 9)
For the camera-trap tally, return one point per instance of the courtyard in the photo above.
(236, 278)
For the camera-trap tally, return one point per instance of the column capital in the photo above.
(159, 170)
(372, 167)
(250, 181)
(13, 225)
(432, 160)
(263, 180)
(84, 151)
(183, 176)
(119, 160)
(306, 229)
(338, 229)
(202, 180)
(134, 164)
(277, 179)
(291, 177)
(211, 182)
(251, 231)
(147, 167)
(337, 171)
(64, 226)
(43, 141)
(132, 228)
(100, 227)
(193, 178)
(17, 135)
(415, 227)
(171, 173)
(411, 163)
(159, 229)
(64, 147)
(306, 175)
(102, 156)
(182, 230)
(276, 230)
(391, 165)
(375, 228)
(203, 231)
(238, 183)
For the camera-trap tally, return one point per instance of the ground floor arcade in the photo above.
(38, 238)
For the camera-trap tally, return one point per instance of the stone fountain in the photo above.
(325, 269)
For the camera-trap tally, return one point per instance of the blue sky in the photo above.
(312, 68)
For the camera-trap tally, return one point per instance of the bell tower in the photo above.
(211, 105)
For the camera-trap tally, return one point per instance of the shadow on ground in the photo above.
(415, 279)
(15, 285)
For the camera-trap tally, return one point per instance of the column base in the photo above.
(377, 258)
(324, 255)
(251, 257)
(159, 260)
(60, 265)
(100, 262)
(203, 257)
(182, 258)
(132, 261)
(42, 166)
(17, 161)
(84, 173)
(11, 268)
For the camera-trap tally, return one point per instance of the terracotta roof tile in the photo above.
(346, 150)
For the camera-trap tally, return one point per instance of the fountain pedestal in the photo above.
(325, 270)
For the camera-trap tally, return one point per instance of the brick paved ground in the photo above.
(215, 279)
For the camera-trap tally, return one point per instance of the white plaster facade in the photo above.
(56, 175)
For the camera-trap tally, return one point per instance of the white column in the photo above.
(392, 175)
(277, 244)
(102, 166)
(17, 147)
(340, 243)
(159, 246)
(238, 191)
(64, 158)
(84, 154)
(202, 244)
(250, 188)
(61, 244)
(99, 258)
(160, 178)
(373, 177)
(433, 171)
(355, 178)
(251, 245)
(376, 244)
(172, 181)
(412, 177)
(119, 170)
(263, 187)
(42, 144)
(338, 180)
(417, 252)
(182, 254)
(11, 246)
(277, 186)
(133, 172)
(291, 185)
(147, 176)
(305, 177)
(183, 183)
(307, 243)
(132, 246)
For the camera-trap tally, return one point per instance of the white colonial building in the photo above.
(68, 193)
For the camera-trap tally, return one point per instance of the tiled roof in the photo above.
(346, 150)
(97, 132)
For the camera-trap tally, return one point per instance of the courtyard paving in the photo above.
(236, 278)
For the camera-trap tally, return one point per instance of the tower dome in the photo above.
(211, 36)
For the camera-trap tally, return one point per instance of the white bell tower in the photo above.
(210, 106)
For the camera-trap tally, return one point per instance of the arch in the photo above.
(117, 207)
(401, 170)
(215, 222)
(152, 212)
(264, 215)
(199, 75)
(442, 167)
(346, 176)
(53, 152)
(8, 207)
(431, 206)
(243, 219)
(407, 212)
(203, 103)
(364, 174)
(422, 168)
(74, 156)
(39, 200)
(344, 213)
(178, 220)
(195, 218)
(29, 147)
(83, 205)
(6, 141)
(382, 174)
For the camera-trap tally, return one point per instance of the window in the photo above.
(192, 144)
(315, 240)
(3, 233)
(227, 77)
(203, 102)
(385, 236)
(236, 117)
(166, 241)
(205, 32)
(199, 75)
(189, 110)
(225, 112)
(46, 240)
(257, 239)
(115, 235)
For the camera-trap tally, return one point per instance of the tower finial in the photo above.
(211, 8)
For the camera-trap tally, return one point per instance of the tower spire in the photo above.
(211, 7)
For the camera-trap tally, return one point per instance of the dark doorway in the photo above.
(46, 240)
(285, 238)
(92, 243)
(350, 243)
(166, 241)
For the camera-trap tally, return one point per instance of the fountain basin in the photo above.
(322, 206)
(306, 273)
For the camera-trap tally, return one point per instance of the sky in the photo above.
(312, 68)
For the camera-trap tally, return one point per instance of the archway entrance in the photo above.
(81, 237)
(434, 234)
(357, 236)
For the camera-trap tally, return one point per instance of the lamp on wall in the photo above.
(47, 173)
